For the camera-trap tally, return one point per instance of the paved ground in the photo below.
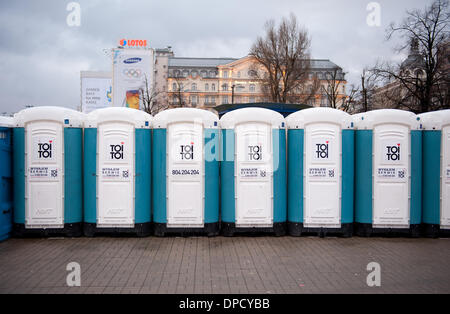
(225, 265)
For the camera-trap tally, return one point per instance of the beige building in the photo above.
(208, 82)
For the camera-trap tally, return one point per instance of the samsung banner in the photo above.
(96, 90)
(131, 69)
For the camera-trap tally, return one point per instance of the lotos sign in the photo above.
(133, 43)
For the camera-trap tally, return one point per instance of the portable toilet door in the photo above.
(253, 171)
(388, 173)
(186, 172)
(6, 199)
(320, 172)
(47, 171)
(436, 173)
(117, 172)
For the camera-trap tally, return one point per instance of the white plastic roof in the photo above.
(48, 113)
(120, 114)
(299, 119)
(207, 118)
(435, 120)
(252, 114)
(7, 122)
(371, 119)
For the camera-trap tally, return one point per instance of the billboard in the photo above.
(96, 90)
(131, 69)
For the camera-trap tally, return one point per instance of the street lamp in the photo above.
(232, 93)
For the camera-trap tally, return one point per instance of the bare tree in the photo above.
(178, 99)
(334, 81)
(149, 98)
(350, 101)
(282, 59)
(425, 88)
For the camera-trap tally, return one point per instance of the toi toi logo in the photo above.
(393, 153)
(255, 152)
(187, 152)
(116, 151)
(45, 150)
(322, 151)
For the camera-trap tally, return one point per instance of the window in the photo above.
(194, 99)
(185, 73)
(174, 86)
(225, 99)
(206, 99)
(206, 87)
(181, 86)
(225, 74)
(225, 87)
(252, 87)
(213, 99)
(194, 74)
(324, 101)
(194, 87)
(213, 87)
(251, 99)
(239, 74)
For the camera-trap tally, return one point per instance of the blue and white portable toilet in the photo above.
(186, 172)
(117, 172)
(320, 172)
(388, 173)
(253, 171)
(436, 173)
(47, 171)
(6, 199)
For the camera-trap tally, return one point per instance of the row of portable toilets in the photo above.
(120, 170)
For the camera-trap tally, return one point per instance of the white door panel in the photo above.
(391, 177)
(185, 175)
(445, 186)
(322, 188)
(45, 175)
(115, 175)
(254, 175)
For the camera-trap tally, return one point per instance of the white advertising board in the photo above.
(96, 90)
(131, 69)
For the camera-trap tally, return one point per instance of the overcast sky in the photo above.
(41, 56)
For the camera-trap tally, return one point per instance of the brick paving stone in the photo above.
(225, 265)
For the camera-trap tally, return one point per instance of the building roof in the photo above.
(322, 64)
(316, 64)
(199, 62)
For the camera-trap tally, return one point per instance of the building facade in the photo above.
(208, 82)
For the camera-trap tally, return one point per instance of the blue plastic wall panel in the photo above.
(73, 175)
(228, 205)
(211, 150)
(143, 188)
(416, 177)
(159, 176)
(431, 181)
(363, 176)
(348, 175)
(295, 175)
(279, 176)
(19, 175)
(6, 198)
(90, 175)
